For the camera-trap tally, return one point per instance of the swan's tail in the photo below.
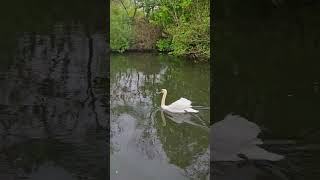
(191, 110)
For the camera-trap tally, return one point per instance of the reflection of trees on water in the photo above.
(183, 143)
(141, 136)
(192, 154)
(133, 100)
(126, 88)
(53, 103)
(129, 86)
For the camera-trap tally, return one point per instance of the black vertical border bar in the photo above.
(212, 75)
(107, 21)
(212, 57)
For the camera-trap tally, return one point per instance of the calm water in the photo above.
(147, 143)
(267, 70)
(54, 92)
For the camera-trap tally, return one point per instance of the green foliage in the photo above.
(120, 28)
(164, 45)
(162, 16)
(191, 39)
(186, 24)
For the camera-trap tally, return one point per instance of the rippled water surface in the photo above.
(53, 95)
(147, 143)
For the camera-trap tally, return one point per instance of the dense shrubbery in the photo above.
(164, 45)
(120, 28)
(185, 24)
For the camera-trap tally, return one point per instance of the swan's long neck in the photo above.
(163, 100)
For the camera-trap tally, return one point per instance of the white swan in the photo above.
(182, 105)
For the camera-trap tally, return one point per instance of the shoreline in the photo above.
(154, 51)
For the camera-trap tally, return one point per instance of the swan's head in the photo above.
(163, 91)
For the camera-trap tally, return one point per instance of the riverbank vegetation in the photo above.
(177, 27)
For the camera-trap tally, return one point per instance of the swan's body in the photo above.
(182, 105)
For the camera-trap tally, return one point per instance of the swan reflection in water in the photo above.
(233, 139)
(188, 118)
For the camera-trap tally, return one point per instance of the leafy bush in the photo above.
(164, 45)
(120, 28)
(188, 24)
(191, 39)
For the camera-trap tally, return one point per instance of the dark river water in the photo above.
(147, 143)
(54, 91)
(266, 69)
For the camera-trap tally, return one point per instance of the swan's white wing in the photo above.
(180, 104)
